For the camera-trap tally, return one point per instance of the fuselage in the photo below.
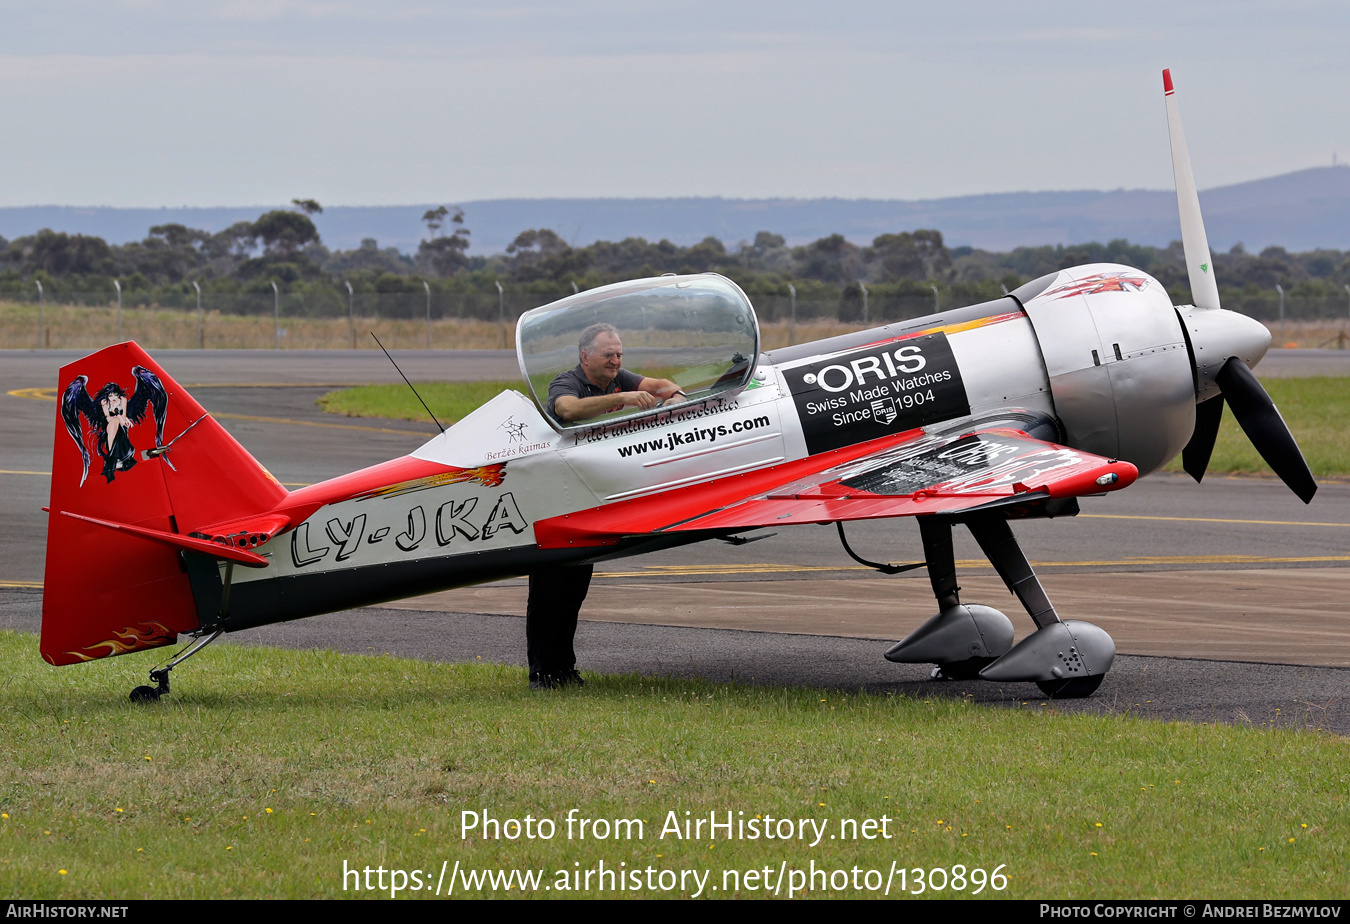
(1095, 358)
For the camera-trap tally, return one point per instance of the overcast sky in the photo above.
(151, 103)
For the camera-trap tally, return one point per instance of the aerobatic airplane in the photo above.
(1075, 384)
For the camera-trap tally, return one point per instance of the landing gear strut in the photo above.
(1065, 659)
(160, 676)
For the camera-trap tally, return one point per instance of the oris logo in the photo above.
(877, 390)
(880, 367)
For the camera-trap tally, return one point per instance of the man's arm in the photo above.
(571, 409)
(664, 389)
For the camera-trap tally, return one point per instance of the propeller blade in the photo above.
(1195, 457)
(1261, 421)
(1199, 265)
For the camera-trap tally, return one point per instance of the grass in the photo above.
(449, 401)
(74, 327)
(1317, 410)
(267, 770)
(156, 328)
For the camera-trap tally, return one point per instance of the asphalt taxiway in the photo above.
(1227, 600)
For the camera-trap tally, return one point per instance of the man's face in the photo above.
(603, 360)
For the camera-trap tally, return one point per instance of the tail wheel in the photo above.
(145, 694)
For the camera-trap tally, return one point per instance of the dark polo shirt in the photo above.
(575, 384)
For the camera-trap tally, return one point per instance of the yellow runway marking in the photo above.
(1126, 516)
(774, 568)
(284, 484)
(275, 384)
(317, 423)
(49, 394)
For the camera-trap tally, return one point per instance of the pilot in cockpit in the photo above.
(599, 383)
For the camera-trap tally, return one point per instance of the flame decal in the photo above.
(132, 638)
(1101, 282)
(489, 476)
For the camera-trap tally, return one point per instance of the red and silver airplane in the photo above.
(1075, 384)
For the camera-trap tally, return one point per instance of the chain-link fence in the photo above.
(328, 318)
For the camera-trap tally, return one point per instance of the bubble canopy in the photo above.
(698, 332)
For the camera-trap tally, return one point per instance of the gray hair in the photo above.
(589, 334)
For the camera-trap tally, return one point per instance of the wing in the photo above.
(1003, 470)
(74, 402)
(149, 392)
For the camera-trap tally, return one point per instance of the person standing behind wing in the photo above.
(599, 384)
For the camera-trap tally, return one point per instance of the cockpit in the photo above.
(688, 338)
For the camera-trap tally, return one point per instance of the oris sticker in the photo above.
(877, 391)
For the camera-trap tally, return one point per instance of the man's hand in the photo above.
(638, 399)
(571, 410)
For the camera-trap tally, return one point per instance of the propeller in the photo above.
(1255, 412)
(1259, 418)
(1195, 457)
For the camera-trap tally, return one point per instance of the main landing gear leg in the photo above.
(1066, 659)
(961, 640)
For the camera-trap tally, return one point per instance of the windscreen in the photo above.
(686, 337)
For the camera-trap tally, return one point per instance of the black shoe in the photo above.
(542, 681)
(568, 678)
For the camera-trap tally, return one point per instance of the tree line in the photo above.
(897, 275)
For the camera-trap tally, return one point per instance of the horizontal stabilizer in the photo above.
(179, 541)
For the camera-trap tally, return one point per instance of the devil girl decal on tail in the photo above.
(109, 415)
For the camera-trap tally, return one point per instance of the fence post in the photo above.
(40, 303)
(1279, 288)
(501, 313)
(200, 338)
(792, 324)
(351, 315)
(119, 309)
(276, 316)
(426, 285)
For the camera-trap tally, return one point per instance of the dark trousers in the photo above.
(556, 595)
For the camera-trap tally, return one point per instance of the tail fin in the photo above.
(137, 467)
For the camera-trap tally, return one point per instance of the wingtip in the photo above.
(1167, 82)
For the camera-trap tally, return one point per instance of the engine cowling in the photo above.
(1120, 371)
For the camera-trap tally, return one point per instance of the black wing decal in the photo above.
(149, 391)
(74, 402)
